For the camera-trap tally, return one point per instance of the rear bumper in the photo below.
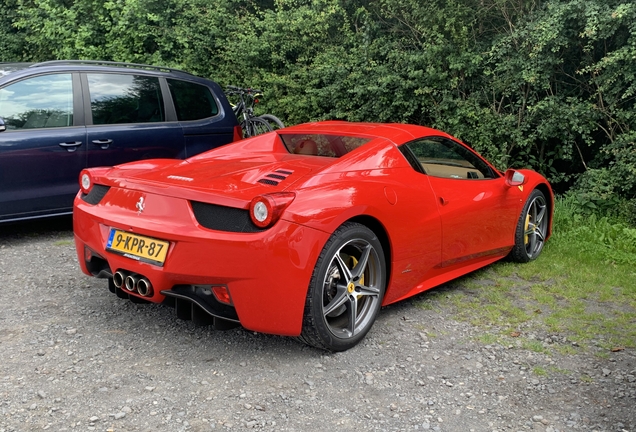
(267, 273)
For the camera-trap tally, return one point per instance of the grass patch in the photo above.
(539, 371)
(582, 287)
(533, 345)
(586, 379)
(63, 243)
(489, 339)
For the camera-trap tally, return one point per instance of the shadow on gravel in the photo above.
(36, 228)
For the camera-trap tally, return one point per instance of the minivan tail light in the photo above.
(238, 133)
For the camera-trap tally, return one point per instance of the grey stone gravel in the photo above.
(75, 357)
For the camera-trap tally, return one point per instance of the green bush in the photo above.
(548, 85)
(608, 238)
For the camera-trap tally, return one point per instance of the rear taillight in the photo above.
(265, 210)
(85, 181)
(222, 294)
(238, 133)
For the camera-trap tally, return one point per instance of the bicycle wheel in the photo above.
(255, 126)
(273, 121)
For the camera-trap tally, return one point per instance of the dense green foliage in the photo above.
(546, 84)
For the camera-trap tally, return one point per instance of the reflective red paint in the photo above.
(432, 229)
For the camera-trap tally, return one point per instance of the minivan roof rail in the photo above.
(108, 63)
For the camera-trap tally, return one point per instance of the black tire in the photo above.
(255, 126)
(532, 228)
(273, 121)
(346, 289)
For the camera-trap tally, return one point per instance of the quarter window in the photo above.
(441, 157)
(192, 101)
(125, 98)
(41, 102)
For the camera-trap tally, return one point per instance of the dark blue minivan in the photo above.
(59, 117)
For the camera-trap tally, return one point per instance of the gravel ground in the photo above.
(75, 357)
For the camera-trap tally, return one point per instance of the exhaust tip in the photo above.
(119, 277)
(144, 287)
(131, 282)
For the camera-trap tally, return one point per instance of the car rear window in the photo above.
(321, 144)
(192, 101)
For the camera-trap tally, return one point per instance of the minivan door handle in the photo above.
(71, 146)
(104, 143)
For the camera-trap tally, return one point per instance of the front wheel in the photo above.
(274, 122)
(346, 289)
(532, 228)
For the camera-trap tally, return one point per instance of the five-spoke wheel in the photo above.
(346, 289)
(532, 228)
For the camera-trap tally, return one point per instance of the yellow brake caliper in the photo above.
(525, 229)
(354, 263)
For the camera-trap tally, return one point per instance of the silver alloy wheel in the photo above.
(352, 289)
(536, 226)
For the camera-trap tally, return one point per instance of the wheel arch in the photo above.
(379, 230)
(547, 192)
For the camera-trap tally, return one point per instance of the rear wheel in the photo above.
(346, 289)
(532, 228)
(274, 122)
(255, 126)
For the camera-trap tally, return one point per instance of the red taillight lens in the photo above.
(222, 294)
(85, 181)
(265, 210)
(238, 133)
(88, 254)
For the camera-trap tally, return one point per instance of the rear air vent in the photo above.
(268, 182)
(274, 178)
(223, 218)
(96, 194)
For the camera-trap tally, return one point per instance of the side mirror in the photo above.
(3, 127)
(514, 178)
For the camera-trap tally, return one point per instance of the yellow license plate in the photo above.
(137, 247)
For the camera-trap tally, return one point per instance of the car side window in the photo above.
(442, 157)
(192, 101)
(44, 101)
(125, 98)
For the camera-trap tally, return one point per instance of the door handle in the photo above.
(71, 146)
(443, 201)
(104, 143)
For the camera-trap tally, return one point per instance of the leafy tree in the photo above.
(548, 84)
(11, 41)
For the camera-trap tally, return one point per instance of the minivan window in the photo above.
(192, 101)
(41, 102)
(125, 98)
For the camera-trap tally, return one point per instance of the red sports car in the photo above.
(306, 231)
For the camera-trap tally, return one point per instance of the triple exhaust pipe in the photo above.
(133, 282)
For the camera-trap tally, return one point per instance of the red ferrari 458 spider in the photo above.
(306, 231)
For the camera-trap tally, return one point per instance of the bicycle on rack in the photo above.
(244, 110)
